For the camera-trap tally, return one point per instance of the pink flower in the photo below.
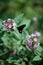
(10, 24)
(32, 41)
(33, 35)
(37, 33)
(29, 43)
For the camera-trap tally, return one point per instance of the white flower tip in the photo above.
(35, 39)
(8, 19)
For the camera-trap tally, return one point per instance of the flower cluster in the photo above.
(10, 24)
(32, 41)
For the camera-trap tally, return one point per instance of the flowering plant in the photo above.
(17, 47)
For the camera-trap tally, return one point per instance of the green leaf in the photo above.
(1, 54)
(40, 49)
(18, 18)
(12, 40)
(5, 39)
(26, 22)
(28, 48)
(1, 24)
(19, 48)
(23, 36)
(25, 33)
(37, 58)
(16, 45)
(16, 34)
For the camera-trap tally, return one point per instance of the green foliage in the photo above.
(1, 24)
(19, 18)
(16, 41)
(26, 22)
(13, 48)
(11, 8)
(37, 58)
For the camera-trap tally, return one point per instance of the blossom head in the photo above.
(10, 24)
(32, 41)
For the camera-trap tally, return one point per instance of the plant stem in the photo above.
(30, 62)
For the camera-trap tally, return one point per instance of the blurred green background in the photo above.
(30, 8)
(11, 8)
